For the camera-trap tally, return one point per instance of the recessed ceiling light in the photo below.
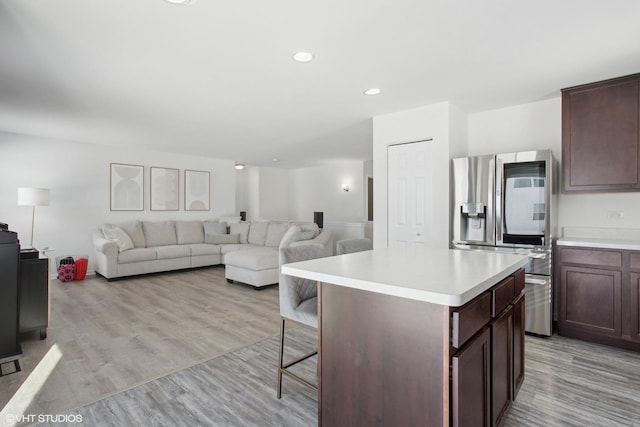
(275, 159)
(239, 166)
(181, 1)
(303, 57)
(372, 91)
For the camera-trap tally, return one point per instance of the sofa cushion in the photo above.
(134, 230)
(188, 232)
(222, 239)
(258, 233)
(118, 236)
(200, 249)
(275, 232)
(137, 255)
(173, 251)
(259, 258)
(215, 227)
(225, 249)
(241, 228)
(159, 233)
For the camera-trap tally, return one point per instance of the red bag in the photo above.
(81, 268)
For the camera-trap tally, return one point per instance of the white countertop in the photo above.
(590, 242)
(439, 276)
(599, 237)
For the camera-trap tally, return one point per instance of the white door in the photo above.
(410, 188)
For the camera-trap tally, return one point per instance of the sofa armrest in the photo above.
(107, 247)
(105, 255)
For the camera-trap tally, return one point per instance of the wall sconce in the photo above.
(239, 166)
(345, 188)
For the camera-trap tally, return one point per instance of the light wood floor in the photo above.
(203, 352)
(115, 335)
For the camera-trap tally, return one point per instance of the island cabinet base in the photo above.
(385, 360)
(382, 360)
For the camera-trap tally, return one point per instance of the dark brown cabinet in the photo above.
(34, 295)
(386, 360)
(600, 136)
(470, 386)
(488, 368)
(634, 309)
(599, 296)
(518, 343)
(501, 364)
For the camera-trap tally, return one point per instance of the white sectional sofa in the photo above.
(249, 250)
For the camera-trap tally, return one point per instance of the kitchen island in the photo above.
(417, 336)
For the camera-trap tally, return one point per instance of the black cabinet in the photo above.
(9, 252)
(34, 295)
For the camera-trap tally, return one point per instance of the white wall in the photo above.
(431, 122)
(274, 194)
(271, 193)
(319, 189)
(533, 126)
(78, 177)
(538, 126)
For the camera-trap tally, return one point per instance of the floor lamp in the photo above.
(33, 197)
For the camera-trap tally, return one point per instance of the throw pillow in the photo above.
(222, 239)
(290, 236)
(134, 230)
(215, 227)
(230, 219)
(304, 235)
(311, 227)
(117, 235)
(241, 228)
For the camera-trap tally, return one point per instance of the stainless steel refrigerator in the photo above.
(506, 203)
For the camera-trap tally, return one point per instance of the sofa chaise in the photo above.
(249, 250)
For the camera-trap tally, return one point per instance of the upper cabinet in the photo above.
(600, 136)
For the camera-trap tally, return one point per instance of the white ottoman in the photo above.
(257, 267)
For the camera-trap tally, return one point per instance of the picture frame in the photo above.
(164, 189)
(196, 190)
(126, 187)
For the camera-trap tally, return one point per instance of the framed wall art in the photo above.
(127, 187)
(196, 190)
(165, 189)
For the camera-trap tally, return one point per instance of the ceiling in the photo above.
(216, 78)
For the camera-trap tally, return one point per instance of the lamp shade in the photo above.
(33, 196)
